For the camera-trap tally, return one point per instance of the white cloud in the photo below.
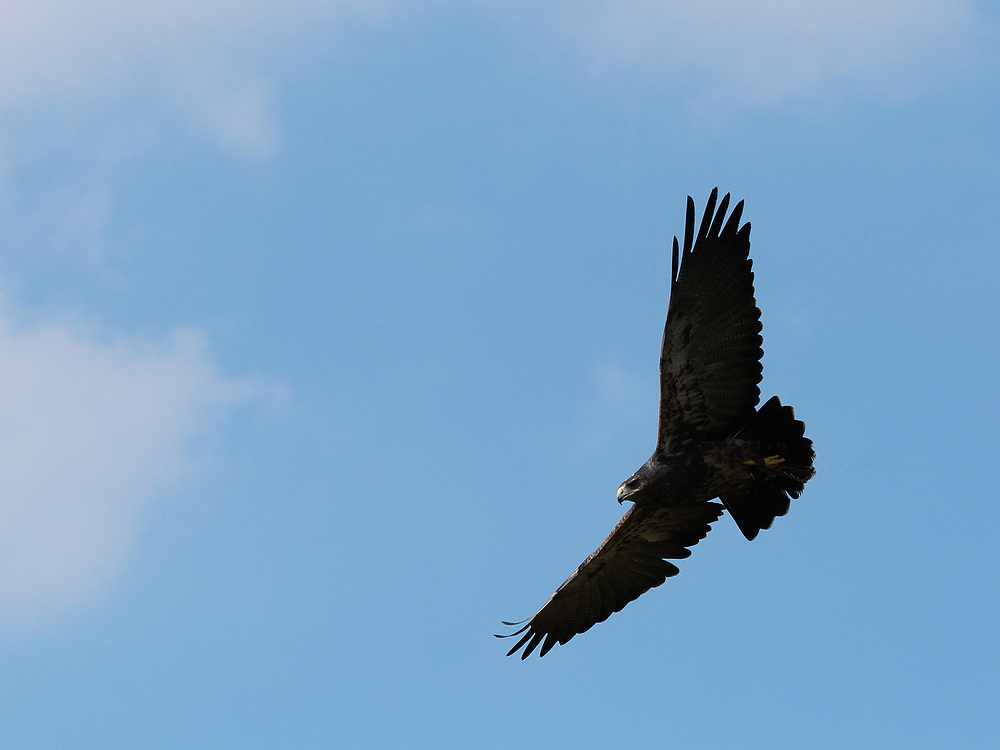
(739, 54)
(238, 115)
(206, 57)
(217, 60)
(90, 432)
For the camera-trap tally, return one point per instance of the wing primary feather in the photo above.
(550, 641)
(675, 262)
(533, 645)
(559, 634)
(515, 624)
(734, 221)
(689, 226)
(516, 632)
(521, 642)
(706, 220)
(720, 216)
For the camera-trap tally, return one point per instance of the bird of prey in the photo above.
(713, 442)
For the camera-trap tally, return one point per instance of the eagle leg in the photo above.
(773, 462)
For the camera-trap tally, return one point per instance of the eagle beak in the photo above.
(621, 494)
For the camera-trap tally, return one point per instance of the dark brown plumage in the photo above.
(712, 441)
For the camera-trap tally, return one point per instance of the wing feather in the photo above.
(629, 563)
(710, 359)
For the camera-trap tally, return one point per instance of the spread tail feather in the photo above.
(774, 431)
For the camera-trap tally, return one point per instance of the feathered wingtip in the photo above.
(521, 642)
(532, 635)
(706, 220)
(711, 222)
(711, 228)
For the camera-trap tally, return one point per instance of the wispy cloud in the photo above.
(738, 54)
(208, 59)
(619, 401)
(90, 432)
(217, 60)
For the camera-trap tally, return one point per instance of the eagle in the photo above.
(712, 443)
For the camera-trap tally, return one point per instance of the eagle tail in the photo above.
(780, 438)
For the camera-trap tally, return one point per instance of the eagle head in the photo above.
(630, 486)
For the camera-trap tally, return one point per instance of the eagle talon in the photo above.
(773, 462)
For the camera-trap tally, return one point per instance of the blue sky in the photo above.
(329, 330)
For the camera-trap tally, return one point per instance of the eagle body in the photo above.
(702, 473)
(705, 471)
(712, 443)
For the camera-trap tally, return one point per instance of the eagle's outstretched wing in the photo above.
(710, 360)
(628, 564)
